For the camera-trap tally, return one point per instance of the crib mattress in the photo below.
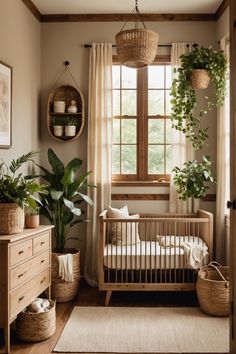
(150, 255)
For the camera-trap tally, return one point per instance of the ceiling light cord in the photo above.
(138, 17)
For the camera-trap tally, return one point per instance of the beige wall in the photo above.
(222, 25)
(20, 39)
(62, 41)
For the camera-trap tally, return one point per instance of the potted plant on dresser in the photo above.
(16, 193)
(62, 207)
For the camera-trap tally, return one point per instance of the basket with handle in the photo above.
(213, 289)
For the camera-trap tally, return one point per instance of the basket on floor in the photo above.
(36, 327)
(64, 291)
(213, 289)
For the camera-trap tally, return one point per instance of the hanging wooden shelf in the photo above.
(66, 93)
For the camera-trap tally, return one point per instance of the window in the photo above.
(142, 131)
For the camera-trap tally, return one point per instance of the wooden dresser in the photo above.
(25, 272)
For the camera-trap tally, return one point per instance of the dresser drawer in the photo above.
(27, 270)
(21, 297)
(41, 243)
(20, 252)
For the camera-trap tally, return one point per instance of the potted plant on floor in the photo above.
(16, 193)
(186, 113)
(62, 207)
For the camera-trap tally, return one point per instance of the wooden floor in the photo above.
(88, 296)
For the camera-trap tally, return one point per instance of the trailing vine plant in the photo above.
(185, 114)
(190, 181)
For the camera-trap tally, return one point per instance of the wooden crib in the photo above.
(139, 261)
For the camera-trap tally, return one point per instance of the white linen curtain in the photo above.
(99, 148)
(182, 149)
(223, 164)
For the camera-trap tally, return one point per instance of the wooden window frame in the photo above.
(142, 129)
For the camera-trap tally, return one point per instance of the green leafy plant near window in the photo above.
(185, 114)
(190, 180)
(19, 189)
(66, 192)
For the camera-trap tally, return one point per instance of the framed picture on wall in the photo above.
(5, 105)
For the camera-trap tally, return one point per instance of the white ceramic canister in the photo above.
(72, 109)
(59, 106)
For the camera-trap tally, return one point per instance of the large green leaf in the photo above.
(86, 198)
(56, 195)
(78, 183)
(70, 169)
(56, 163)
(71, 206)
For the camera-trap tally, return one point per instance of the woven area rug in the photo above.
(143, 330)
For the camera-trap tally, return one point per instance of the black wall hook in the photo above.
(66, 63)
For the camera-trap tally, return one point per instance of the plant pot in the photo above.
(200, 79)
(70, 130)
(31, 221)
(12, 219)
(58, 130)
(64, 291)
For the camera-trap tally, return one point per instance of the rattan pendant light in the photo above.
(136, 47)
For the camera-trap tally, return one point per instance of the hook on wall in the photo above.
(66, 63)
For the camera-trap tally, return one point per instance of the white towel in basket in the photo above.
(65, 263)
(195, 253)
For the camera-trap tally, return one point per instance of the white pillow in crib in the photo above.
(123, 233)
(117, 213)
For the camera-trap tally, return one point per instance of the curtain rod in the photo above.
(114, 46)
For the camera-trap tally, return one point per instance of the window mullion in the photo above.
(142, 123)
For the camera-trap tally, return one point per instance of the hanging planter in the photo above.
(137, 47)
(186, 113)
(200, 79)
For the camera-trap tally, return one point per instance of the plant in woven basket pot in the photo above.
(198, 68)
(16, 193)
(62, 207)
(192, 179)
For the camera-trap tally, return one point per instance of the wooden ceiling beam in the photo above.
(126, 17)
(223, 6)
(33, 9)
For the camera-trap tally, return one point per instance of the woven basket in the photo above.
(213, 289)
(64, 291)
(200, 79)
(12, 219)
(36, 327)
(136, 48)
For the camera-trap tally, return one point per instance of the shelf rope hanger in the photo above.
(66, 69)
